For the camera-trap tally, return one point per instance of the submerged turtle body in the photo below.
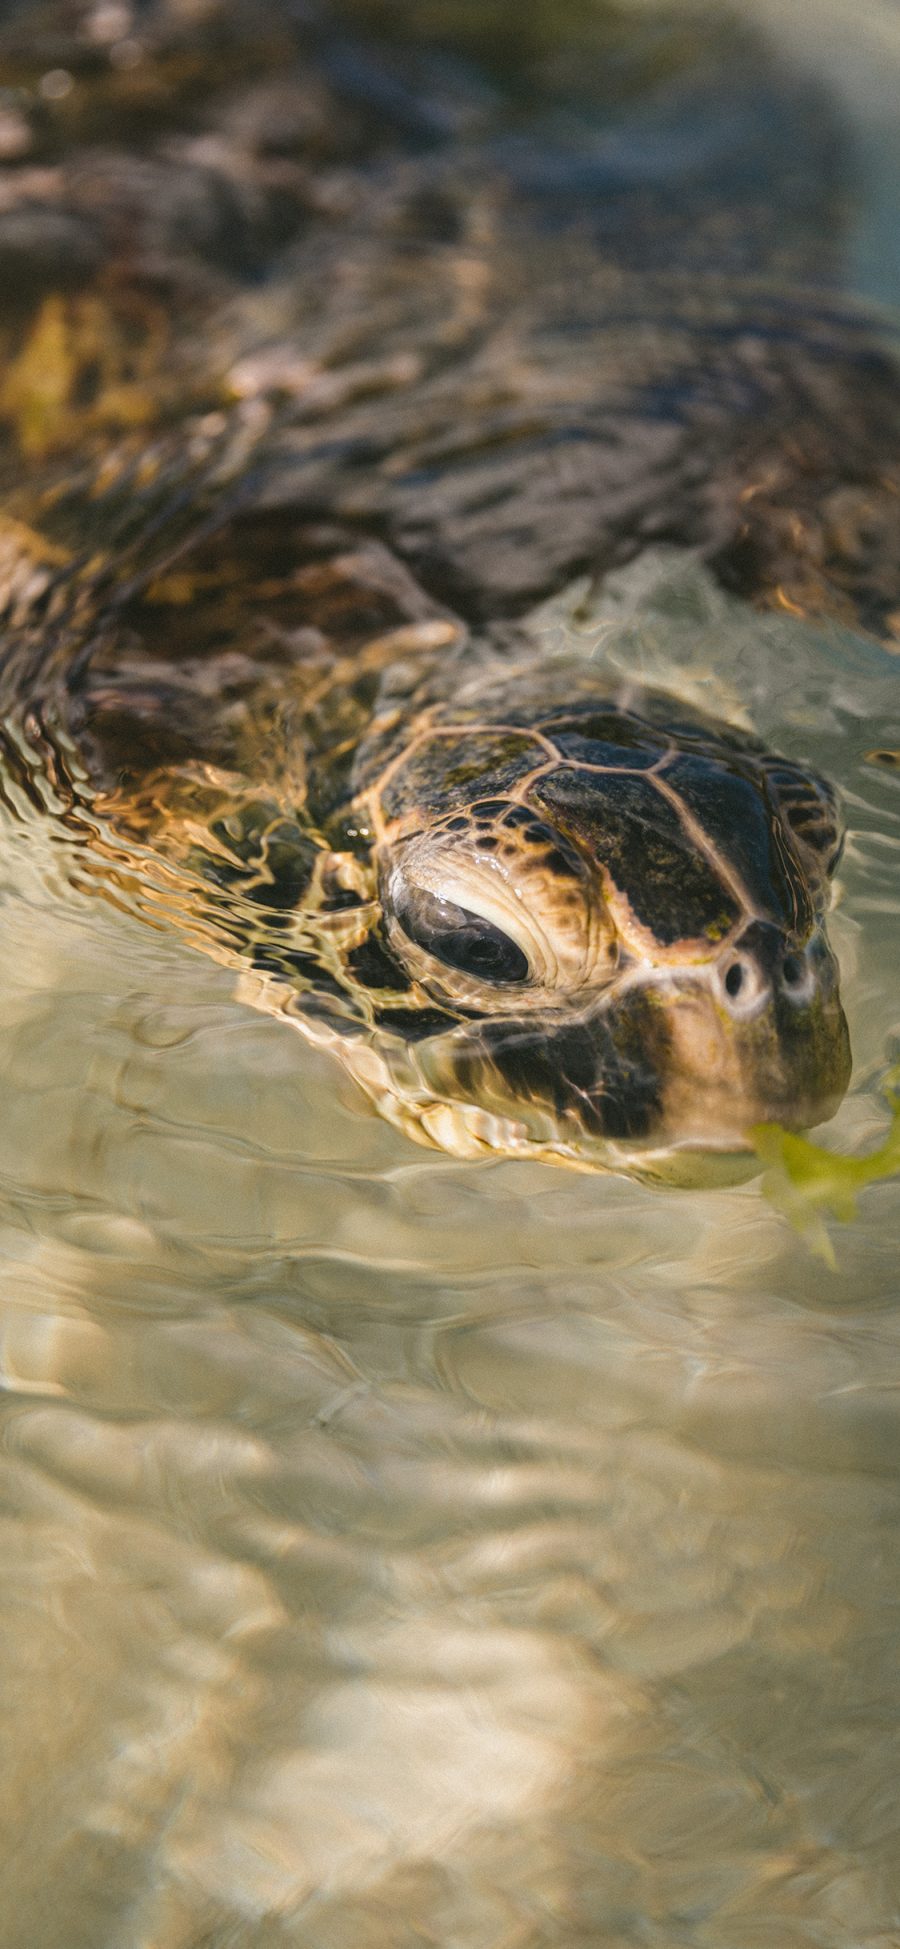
(277, 513)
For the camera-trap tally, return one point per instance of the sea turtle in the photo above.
(267, 583)
(533, 909)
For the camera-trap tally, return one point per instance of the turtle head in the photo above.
(568, 1040)
(627, 942)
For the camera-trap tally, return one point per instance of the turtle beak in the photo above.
(762, 1038)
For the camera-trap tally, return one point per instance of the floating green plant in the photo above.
(807, 1182)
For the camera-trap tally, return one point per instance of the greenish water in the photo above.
(400, 1551)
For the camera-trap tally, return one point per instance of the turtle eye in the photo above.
(458, 938)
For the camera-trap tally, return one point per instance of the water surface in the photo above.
(400, 1551)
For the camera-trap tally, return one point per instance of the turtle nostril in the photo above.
(734, 980)
(798, 977)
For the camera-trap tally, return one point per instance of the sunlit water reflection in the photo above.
(400, 1551)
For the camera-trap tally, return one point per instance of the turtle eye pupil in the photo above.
(458, 938)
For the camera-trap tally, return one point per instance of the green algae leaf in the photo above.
(807, 1182)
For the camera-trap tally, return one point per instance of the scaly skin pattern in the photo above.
(315, 379)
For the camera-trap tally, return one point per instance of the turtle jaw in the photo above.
(779, 1055)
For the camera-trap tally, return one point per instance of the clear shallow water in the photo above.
(399, 1551)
